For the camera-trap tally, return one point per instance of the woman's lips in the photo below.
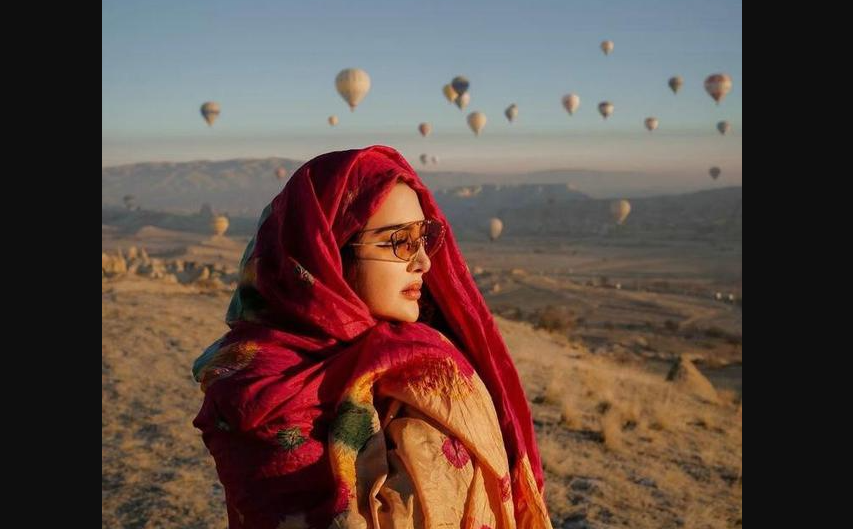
(412, 293)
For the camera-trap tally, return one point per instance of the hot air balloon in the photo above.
(718, 85)
(511, 112)
(219, 224)
(651, 123)
(607, 46)
(281, 173)
(724, 127)
(210, 111)
(353, 84)
(571, 103)
(129, 201)
(463, 100)
(449, 93)
(434, 159)
(496, 226)
(675, 83)
(425, 129)
(715, 172)
(460, 84)
(333, 120)
(424, 159)
(476, 120)
(619, 210)
(605, 108)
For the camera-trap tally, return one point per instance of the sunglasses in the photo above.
(408, 238)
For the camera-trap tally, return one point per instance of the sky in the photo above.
(272, 64)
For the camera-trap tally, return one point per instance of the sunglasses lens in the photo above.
(433, 234)
(407, 242)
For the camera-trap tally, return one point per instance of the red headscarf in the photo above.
(299, 335)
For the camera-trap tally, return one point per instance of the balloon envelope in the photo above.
(496, 226)
(219, 224)
(210, 111)
(463, 100)
(449, 93)
(476, 120)
(571, 102)
(511, 112)
(352, 84)
(619, 210)
(718, 85)
(675, 83)
(460, 84)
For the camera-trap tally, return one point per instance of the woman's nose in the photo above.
(420, 262)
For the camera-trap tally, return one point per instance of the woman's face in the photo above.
(388, 286)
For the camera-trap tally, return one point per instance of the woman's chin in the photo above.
(410, 316)
(403, 314)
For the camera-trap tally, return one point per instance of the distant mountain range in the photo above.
(171, 196)
(242, 187)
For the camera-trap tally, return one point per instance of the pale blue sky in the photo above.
(272, 66)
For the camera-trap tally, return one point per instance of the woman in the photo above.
(363, 382)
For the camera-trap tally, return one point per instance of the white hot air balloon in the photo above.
(724, 127)
(425, 129)
(511, 112)
(619, 210)
(605, 108)
(496, 226)
(463, 100)
(219, 225)
(718, 85)
(607, 47)
(651, 123)
(210, 111)
(352, 84)
(476, 120)
(571, 103)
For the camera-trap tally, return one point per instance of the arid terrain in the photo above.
(594, 330)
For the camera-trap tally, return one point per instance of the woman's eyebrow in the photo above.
(390, 227)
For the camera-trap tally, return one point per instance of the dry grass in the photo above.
(627, 449)
(665, 415)
(728, 397)
(570, 416)
(611, 430)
